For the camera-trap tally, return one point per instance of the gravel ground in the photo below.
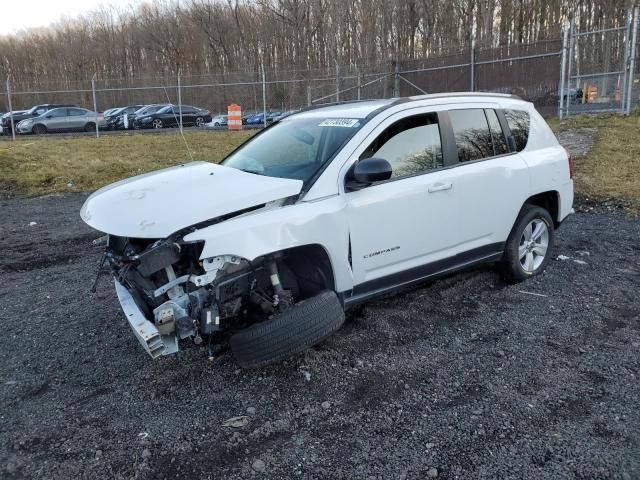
(466, 377)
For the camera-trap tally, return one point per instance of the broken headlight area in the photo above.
(186, 297)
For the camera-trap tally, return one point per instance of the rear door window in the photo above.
(497, 135)
(519, 122)
(472, 134)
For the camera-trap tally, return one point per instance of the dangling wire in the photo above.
(176, 119)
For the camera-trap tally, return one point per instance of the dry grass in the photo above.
(611, 169)
(39, 166)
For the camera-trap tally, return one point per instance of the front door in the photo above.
(388, 222)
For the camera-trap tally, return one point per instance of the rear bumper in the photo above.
(145, 331)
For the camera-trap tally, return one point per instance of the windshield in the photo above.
(295, 148)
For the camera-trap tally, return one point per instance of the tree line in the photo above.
(232, 39)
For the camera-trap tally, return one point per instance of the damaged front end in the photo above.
(169, 294)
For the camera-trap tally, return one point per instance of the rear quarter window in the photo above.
(519, 123)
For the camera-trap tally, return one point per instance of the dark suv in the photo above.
(34, 111)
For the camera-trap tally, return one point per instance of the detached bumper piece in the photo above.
(145, 331)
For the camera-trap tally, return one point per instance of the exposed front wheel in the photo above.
(530, 244)
(157, 123)
(199, 121)
(302, 325)
(90, 127)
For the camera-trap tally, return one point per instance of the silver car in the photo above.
(65, 119)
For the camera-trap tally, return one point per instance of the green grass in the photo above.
(44, 165)
(611, 169)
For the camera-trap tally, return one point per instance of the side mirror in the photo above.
(368, 171)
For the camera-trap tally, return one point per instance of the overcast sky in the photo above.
(16, 15)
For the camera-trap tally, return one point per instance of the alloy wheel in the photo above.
(534, 244)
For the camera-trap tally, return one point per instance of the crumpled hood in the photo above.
(157, 204)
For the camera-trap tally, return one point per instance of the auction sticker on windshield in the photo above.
(339, 122)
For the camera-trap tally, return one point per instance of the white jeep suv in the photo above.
(325, 209)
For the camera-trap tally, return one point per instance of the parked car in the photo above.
(7, 131)
(280, 116)
(62, 120)
(147, 110)
(33, 112)
(219, 121)
(328, 208)
(256, 119)
(121, 118)
(169, 116)
(109, 111)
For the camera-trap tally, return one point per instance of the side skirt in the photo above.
(429, 271)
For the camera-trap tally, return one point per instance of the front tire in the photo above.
(304, 324)
(529, 245)
(199, 122)
(157, 123)
(90, 127)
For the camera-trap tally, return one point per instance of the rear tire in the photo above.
(301, 326)
(90, 127)
(39, 129)
(529, 245)
(199, 122)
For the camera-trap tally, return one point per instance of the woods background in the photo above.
(213, 42)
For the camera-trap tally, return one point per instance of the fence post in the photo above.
(95, 103)
(472, 63)
(396, 78)
(632, 53)
(264, 96)
(337, 82)
(625, 60)
(563, 68)
(13, 127)
(572, 40)
(308, 95)
(180, 102)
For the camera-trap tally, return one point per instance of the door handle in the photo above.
(440, 186)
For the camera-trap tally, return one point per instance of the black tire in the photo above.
(90, 127)
(157, 123)
(303, 325)
(199, 122)
(512, 265)
(39, 129)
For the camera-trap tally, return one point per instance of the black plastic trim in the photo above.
(429, 271)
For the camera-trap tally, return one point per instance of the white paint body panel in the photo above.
(160, 203)
(480, 208)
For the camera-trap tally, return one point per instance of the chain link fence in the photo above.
(578, 72)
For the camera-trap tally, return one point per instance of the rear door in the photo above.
(488, 184)
(77, 118)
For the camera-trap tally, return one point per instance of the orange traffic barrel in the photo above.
(234, 120)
